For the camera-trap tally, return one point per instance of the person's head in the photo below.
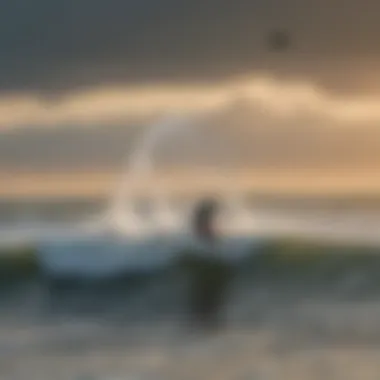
(209, 205)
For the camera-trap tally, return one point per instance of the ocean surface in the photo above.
(276, 326)
(350, 217)
(273, 330)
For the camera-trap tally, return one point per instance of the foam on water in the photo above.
(102, 250)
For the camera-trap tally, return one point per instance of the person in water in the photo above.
(208, 273)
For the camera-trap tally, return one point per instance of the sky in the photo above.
(51, 46)
(80, 79)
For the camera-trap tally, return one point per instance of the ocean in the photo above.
(283, 320)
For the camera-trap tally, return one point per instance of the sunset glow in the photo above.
(110, 104)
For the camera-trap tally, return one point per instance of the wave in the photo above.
(305, 263)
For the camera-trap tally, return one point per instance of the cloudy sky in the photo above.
(56, 45)
(78, 77)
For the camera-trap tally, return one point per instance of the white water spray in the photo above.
(122, 215)
(139, 166)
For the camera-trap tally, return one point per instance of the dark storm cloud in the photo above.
(60, 44)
